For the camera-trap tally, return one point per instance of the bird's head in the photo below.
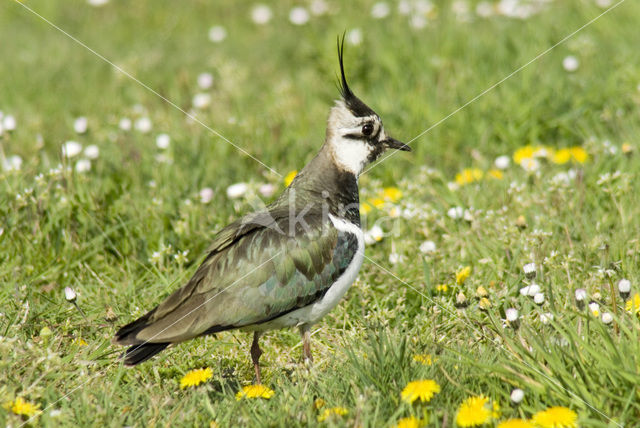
(355, 135)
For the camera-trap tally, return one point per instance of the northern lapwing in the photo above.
(287, 265)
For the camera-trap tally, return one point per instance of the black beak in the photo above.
(392, 143)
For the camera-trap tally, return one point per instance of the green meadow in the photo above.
(132, 131)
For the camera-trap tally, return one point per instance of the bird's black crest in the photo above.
(354, 104)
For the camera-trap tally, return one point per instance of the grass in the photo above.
(97, 231)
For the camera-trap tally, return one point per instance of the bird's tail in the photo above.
(137, 354)
(139, 350)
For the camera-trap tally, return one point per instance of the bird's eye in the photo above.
(367, 129)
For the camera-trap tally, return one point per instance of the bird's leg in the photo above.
(255, 355)
(305, 332)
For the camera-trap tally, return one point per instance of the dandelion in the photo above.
(570, 63)
(578, 154)
(377, 202)
(442, 288)
(365, 208)
(410, 422)
(289, 177)
(299, 16)
(255, 391)
(195, 377)
(626, 148)
(463, 274)
(469, 175)
(422, 390)
(333, 411)
(530, 165)
(473, 412)
(561, 156)
(496, 174)
(391, 194)
(517, 395)
(523, 153)
(633, 305)
(484, 304)
(217, 33)
(515, 423)
(424, 359)
(237, 190)
(481, 292)
(555, 417)
(22, 408)
(261, 14)
(318, 403)
(206, 195)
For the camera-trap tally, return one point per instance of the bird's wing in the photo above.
(256, 271)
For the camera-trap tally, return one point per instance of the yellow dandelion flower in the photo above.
(392, 194)
(481, 292)
(289, 177)
(495, 173)
(515, 423)
(463, 274)
(578, 154)
(410, 422)
(485, 303)
(442, 288)
(376, 202)
(423, 359)
(423, 390)
(626, 148)
(255, 391)
(333, 411)
(214, 424)
(523, 153)
(495, 413)
(22, 408)
(195, 377)
(318, 403)
(365, 208)
(78, 341)
(469, 175)
(556, 417)
(561, 156)
(633, 305)
(473, 412)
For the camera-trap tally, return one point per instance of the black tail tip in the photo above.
(137, 354)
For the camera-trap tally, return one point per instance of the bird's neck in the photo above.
(323, 181)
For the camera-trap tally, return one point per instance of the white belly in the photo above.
(312, 313)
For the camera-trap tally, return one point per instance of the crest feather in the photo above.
(353, 103)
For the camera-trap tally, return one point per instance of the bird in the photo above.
(286, 265)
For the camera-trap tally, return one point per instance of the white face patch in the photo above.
(351, 154)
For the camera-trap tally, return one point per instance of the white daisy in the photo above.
(12, 163)
(125, 124)
(428, 247)
(205, 80)
(237, 190)
(201, 101)
(143, 124)
(261, 14)
(206, 195)
(380, 10)
(217, 33)
(9, 123)
(570, 63)
(299, 16)
(83, 165)
(502, 162)
(71, 149)
(517, 395)
(163, 141)
(92, 151)
(80, 125)
(354, 37)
